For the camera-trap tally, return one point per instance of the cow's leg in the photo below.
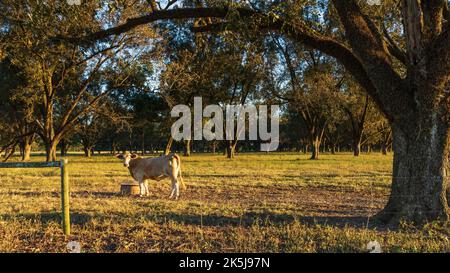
(172, 192)
(175, 188)
(147, 193)
(140, 178)
(141, 189)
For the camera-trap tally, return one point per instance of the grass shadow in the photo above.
(76, 218)
(263, 218)
(78, 194)
(245, 220)
(97, 194)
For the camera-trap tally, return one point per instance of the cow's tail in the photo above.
(183, 186)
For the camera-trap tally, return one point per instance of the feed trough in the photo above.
(129, 188)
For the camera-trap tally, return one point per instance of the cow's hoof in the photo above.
(173, 197)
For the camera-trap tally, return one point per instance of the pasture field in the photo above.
(280, 202)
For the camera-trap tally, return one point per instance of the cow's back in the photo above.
(156, 167)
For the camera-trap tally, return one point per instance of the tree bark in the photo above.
(50, 151)
(63, 150)
(386, 141)
(25, 147)
(306, 149)
(87, 151)
(383, 149)
(168, 146)
(231, 148)
(324, 146)
(64, 147)
(187, 148)
(214, 147)
(315, 145)
(420, 186)
(316, 137)
(356, 148)
(113, 147)
(26, 151)
(143, 142)
(333, 149)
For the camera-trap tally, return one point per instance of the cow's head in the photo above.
(126, 157)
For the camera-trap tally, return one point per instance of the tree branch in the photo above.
(391, 96)
(394, 49)
(439, 60)
(81, 91)
(377, 61)
(184, 13)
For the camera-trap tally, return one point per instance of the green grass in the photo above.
(254, 203)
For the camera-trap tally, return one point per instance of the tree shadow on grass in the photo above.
(359, 222)
(264, 218)
(80, 194)
(98, 194)
(76, 218)
(267, 218)
(212, 220)
(32, 193)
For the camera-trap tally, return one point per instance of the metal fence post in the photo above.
(65, 206)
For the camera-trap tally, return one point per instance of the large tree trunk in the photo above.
(316, 134)
(356, 147)
(231, 148)
(87, 151)
(187, 148)
(64, 147)
(315, 145)
(421, 172)
(26, 151)
(324, 146)
(113, 147)
(50, 151)
(333, 149)
(143, 143)
(214, 146)
(306, 149)
(25, 147)
(21, 150)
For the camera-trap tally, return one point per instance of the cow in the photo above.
(157, 168)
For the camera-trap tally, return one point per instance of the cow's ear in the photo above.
(133, 156)
(119, 156)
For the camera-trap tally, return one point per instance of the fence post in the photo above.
(65, 207)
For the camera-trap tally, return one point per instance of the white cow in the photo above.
(156, 168)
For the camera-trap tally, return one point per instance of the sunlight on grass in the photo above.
(256, 203)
